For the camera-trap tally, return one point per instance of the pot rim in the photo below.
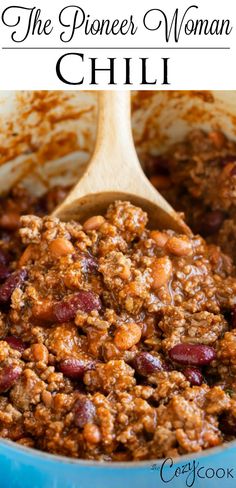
(45, 456)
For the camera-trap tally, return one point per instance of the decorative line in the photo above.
(117, 48)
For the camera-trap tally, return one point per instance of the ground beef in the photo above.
(117, 342)
(198, 176)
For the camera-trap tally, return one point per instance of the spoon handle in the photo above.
(114, 117)
(114, 134)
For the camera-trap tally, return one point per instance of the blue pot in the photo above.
(27, 468)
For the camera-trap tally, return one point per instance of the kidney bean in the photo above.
(4, 272)
(4, 259)
(82, 300)
(233, 171)
(146, 364)
(192, 354)
(84, 412)
(231, 158)
(8, 376)
(161, 165)
(52, 198)
(15, 343)
(227, 424)
(75, 368)
(233, 317)
(12, 282)
(193, 375)
(212, 222)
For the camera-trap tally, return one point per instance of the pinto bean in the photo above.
(179, 246)
(10, 221)
(61, 247)
(42, 311)
(217, 138)
(27, 255)
(93, 223)
(160, 238)
(40, 353)
(161, 271)
(92, 433)
(127, 336)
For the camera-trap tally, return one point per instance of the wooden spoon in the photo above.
(114, 172)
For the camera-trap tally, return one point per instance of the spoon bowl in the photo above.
(97, 204)
(115, 173)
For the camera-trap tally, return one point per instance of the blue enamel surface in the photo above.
(25, 468)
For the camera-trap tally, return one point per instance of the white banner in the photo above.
(117, 45)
